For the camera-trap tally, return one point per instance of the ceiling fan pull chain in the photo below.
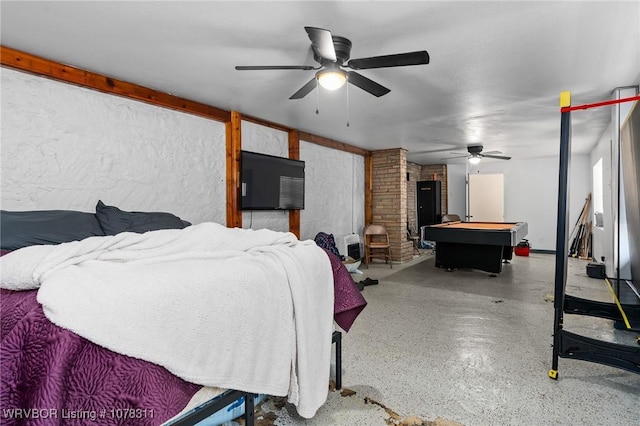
(317, 97)
(347, 105)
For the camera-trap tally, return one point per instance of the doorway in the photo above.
(428, 202)
(485, 198)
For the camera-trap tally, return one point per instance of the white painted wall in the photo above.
(66, 147)
(334, 201)
(531, 193)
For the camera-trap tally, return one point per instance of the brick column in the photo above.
(389, 199)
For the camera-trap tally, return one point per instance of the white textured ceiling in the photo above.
(497, 67)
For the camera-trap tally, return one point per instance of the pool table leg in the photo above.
(507, 254)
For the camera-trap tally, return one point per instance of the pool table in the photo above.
(476, 245)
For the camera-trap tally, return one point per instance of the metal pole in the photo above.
(561, 236)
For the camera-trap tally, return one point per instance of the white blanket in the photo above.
(231, 308)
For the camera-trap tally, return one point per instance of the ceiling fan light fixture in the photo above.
(474, 159)
(332, 79)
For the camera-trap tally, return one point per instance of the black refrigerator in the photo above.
(428, 202)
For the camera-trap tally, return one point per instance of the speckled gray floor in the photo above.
(475, 349)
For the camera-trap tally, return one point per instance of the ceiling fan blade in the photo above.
(366, 84)
(322, 43)
(397, 60)
(491, 152)
(432, 151)
(273, 67)
(305, 90)
(459, 156)
(499, 157)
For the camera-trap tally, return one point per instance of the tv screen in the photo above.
(271, 183)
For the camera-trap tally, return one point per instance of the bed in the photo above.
(132, 320)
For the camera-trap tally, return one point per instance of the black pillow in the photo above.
(26, 228)
(113, 220)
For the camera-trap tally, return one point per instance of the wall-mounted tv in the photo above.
(271, 183)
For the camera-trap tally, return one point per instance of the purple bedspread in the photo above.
(52, 376)
(348, 301)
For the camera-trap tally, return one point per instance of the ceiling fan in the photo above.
(476, 153)
(333, 53)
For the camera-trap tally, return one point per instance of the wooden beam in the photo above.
(330, 143)
(309, 137)
(12, 58)
(233, 148)
(266, 123)
(16, 59)
(294, 153)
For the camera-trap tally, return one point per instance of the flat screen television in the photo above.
(271, 183)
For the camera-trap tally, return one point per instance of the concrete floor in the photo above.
(475, 349)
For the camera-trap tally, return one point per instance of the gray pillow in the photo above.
(26, 228)
(113, 220)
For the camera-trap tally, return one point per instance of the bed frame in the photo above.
(223, 400)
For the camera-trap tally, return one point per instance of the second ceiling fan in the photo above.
(476, 153)
(333, 53)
